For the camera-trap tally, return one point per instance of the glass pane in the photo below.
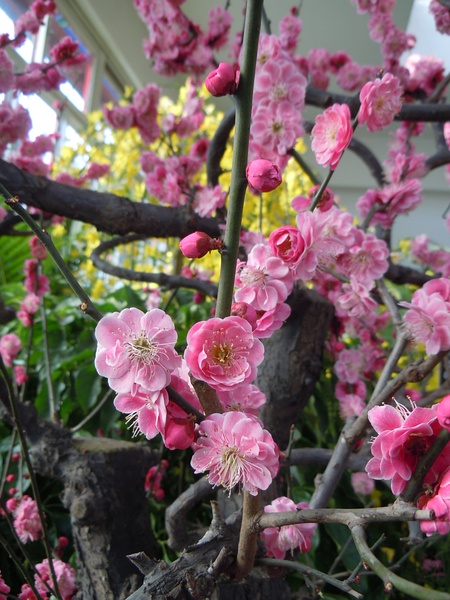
(42, 115)
(10, 11)
(78, 78)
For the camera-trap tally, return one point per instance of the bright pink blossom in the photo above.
(4, 589)
(271, 320)
(236, 450)
(331, 135)
(287, 243)
(403, 437)
(439, 502)
(26, 518)
(441, 16)
(264, 280)
(381, 100)
(279, 540)
(136, 348)
(153, 479)
(263, 175)
(198, 244)
(223, 80)
(20, 375)
(10, 346)
(223, 352)
(443, 412)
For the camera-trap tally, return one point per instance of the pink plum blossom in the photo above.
(264, 280)
(351, 405)
(381, 100)
(279, 540)
(403, 437)
(441, 16)
(349, 365)
(207, 199)
(223, 352)
(236, 450)
(428, 316)
(26, 518)
(439, 501)
(331, 135)
(247, 398)
(65, 578)
(362, 483)
(20, 374)
(10, 346)
(136, 349)
(270, 320)
(145, 410)
(153, 479)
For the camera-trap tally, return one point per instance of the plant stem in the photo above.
(243, 98)
(87, 306)
(389, 578)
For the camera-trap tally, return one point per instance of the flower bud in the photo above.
(223, 80)
(198, 244)
(262, 175)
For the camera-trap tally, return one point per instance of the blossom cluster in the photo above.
(403, 437)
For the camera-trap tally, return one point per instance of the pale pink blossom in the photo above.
(362, 483)
(289, 27)
(428, 316)
(350, 406)
(403, 437)
(279, 540)
(351, 76)
(120, 117)
(366, 259)
(331, 135)
(146, 411)
(219, 24)
(207, 199)
(381, 100)
(277, 81)
(355, 298)
(26, 518)
(235, 450)
(223, 352)
(343, 388)
(425, 72)
(10, 346)
(264, 280)
(247, 398)
(136, 348)
(245, 311)
(392, 200)
(350, 365)
(65, 578)
(276, 127)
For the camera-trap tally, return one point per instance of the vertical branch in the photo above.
(243, 97)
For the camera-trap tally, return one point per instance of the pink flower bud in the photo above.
(443, 412)
(223, 80)
(263, 175)
(198, 244)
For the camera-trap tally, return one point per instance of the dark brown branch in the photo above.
(426, 112)
(162, 279)
(107, 212)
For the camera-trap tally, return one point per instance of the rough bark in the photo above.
(293, 362)
(104, 493)
(107, 212)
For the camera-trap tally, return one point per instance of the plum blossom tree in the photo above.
(325, 292)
